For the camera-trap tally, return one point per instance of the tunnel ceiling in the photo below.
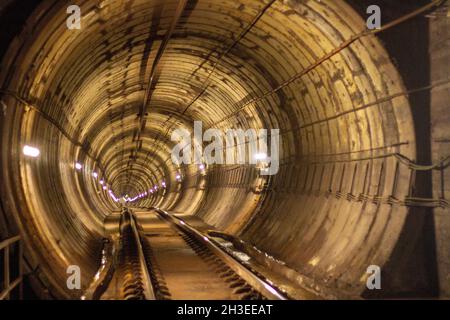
(109, 96)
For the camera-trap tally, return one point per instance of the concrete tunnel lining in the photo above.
(324, 214)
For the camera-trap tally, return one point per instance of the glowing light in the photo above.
(31, 151)
(178, 177)
(163, 184)
(104, 188)
(78, 166)
(95, 175)
(113, 196)
(101, 182)
(260, 156)
(133, 199)
(201, 167)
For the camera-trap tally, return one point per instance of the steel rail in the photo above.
(266, 289)
(148, 287)
(124, 259)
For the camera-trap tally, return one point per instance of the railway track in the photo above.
(159, 256)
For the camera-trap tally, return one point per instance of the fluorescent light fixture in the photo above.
(260, 156)
(31, 151)
(78, 166)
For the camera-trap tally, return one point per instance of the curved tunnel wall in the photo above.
(337, 204)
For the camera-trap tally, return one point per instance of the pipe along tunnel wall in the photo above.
(353, 125)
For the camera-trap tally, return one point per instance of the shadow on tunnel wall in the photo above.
(412, 267)
(13, 15)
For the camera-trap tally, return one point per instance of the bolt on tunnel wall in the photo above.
(362, 114)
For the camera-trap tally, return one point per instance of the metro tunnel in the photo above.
(89, 184)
